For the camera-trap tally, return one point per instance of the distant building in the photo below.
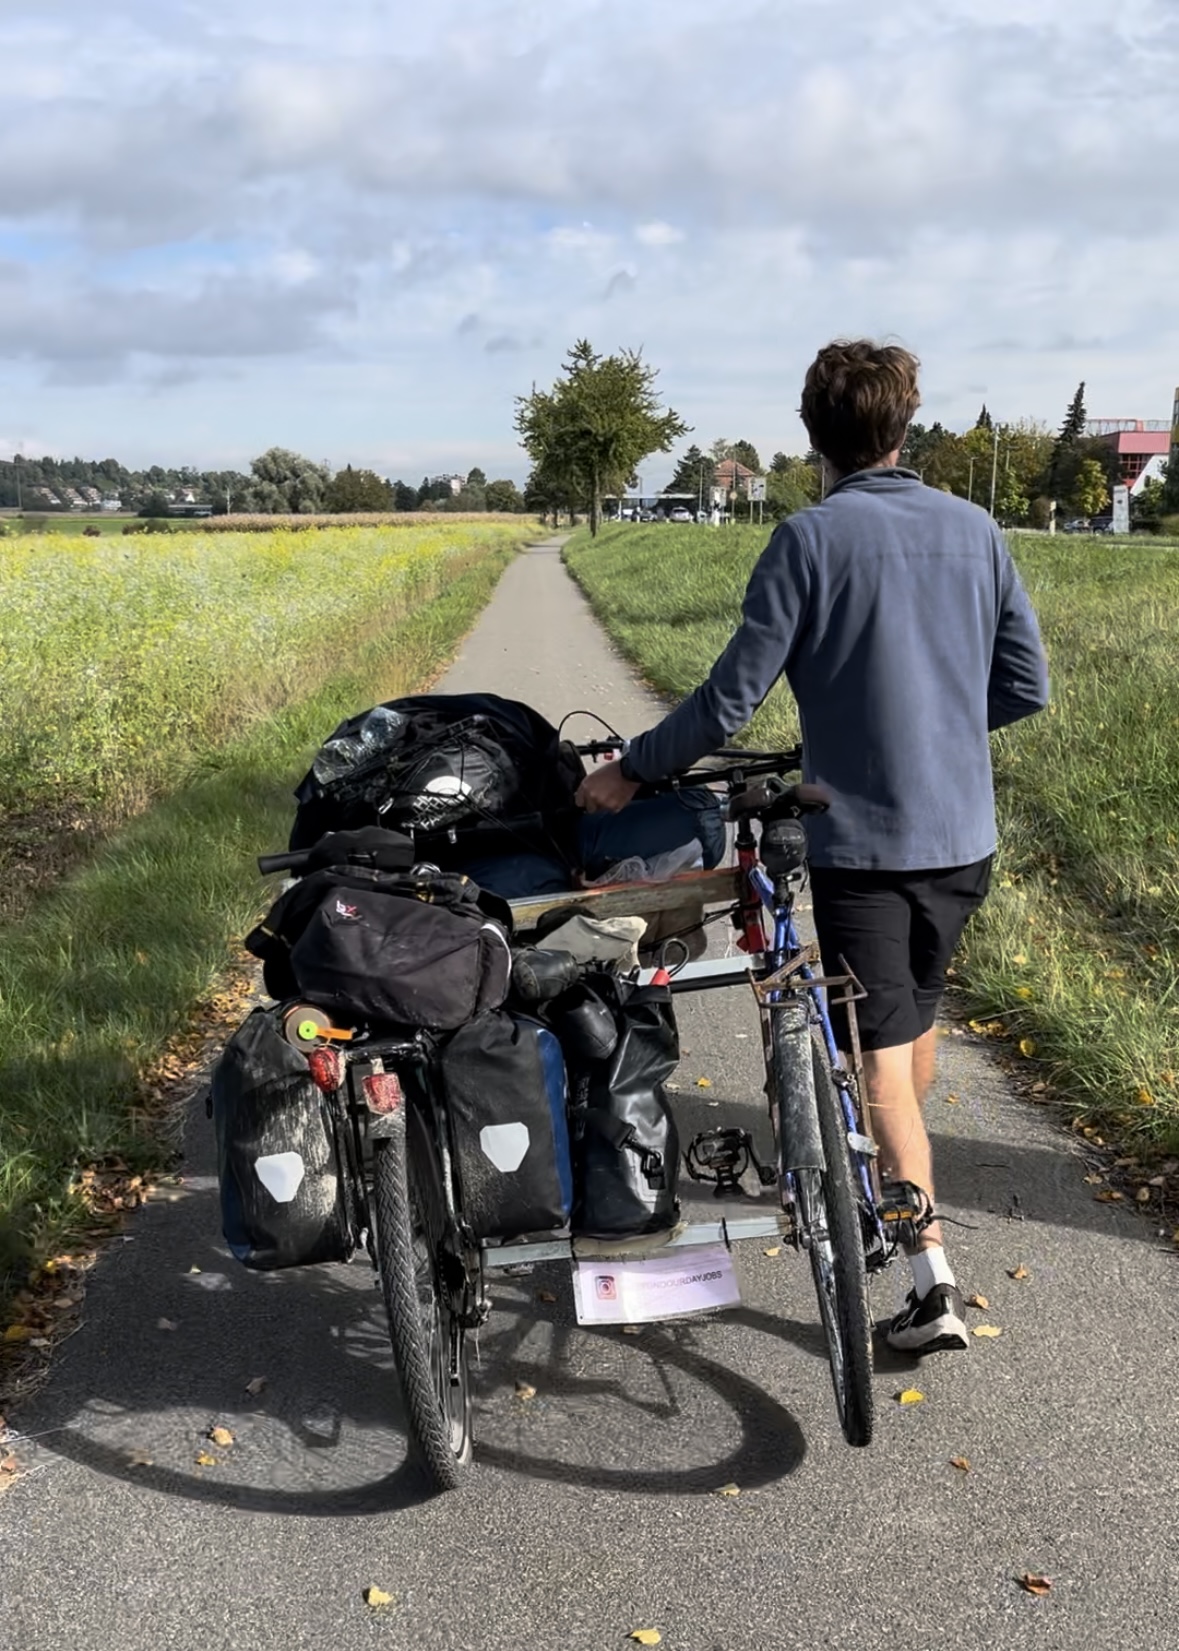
(730, 475)
(455, 483)
(1141, 446)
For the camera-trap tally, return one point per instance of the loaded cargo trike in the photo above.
(466, 1065)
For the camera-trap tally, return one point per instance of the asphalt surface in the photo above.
(593, 1508)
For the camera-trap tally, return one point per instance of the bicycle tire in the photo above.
(429, 1341)
(830, 1222)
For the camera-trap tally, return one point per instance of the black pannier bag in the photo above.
(444, 766)
(281, 1154)
(503, 1077)
(621, 1045)
(422, 949)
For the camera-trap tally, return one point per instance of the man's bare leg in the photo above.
(898, 1081)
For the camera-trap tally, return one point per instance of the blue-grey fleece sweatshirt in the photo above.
(901, 625)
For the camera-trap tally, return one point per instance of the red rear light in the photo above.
(327, 1069)
(382, 1092)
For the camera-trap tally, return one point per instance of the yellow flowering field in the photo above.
(125, 661)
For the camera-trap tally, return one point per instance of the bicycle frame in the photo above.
(788, 966)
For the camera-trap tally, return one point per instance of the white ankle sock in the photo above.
(930, 1267)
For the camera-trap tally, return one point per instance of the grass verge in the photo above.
(96, 982)
(1074, 959)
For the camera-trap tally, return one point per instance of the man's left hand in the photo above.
(605, 791)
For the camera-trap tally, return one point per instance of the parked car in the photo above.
(646, 515)
(1077, 525)
(680, 514)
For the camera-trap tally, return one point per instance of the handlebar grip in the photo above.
(295, 860)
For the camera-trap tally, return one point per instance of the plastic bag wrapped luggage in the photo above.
(433, 764)
(504, 1081)
(280, 1153)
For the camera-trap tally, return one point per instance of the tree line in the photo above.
(589, 433)
(278, 482)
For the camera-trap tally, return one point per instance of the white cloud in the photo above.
(658, 234)
(430, 215)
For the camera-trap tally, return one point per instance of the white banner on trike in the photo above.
(655, 1287)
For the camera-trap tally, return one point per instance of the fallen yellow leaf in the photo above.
(1027, 1046)
(1019, 1272)
(1033, 1584)
(703, 1083)
(952, 1100)
(962, 1463)
(376, 1597)
(986, 1330)
(774, 1249)
(204, 1460)
(525, 1391)
(17, 1332)
(910, 1396)
(729, 1490)
(1143, 1195)
(1109, 1196)
(1144, 1097)
(220, 1436)
(978, 1301)
(645, 1636)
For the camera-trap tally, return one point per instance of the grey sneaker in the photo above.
(933, 1324)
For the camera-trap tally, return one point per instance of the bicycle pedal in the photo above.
(722, 1158)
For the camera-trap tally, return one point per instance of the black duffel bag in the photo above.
(621, 1046)
(286, 1192)
(422, 949)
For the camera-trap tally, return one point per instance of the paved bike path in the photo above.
(594, 1507)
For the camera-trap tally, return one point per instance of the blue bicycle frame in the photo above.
(785, 946)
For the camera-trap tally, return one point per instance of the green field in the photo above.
(172, 690)
(1075, 957)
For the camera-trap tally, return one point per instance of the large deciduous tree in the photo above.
(503, 495)
(357, 490)
(590, 432)
(285, 482)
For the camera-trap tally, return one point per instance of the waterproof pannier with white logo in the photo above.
(504, 1083)
(284, 1201)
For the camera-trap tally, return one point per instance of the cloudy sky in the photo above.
(360, 229)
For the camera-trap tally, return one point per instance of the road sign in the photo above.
(757, 488)
(1121, 510)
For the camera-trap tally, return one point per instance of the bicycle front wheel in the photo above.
(423, 1284)
(829, 1222)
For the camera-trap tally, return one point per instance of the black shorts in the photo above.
(897, 931)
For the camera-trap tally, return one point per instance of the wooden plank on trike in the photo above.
(720, 887)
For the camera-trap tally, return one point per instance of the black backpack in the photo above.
(419, 948)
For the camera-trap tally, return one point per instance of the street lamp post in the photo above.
(994, 470)
(16, 467)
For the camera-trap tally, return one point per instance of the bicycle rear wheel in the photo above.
(829, 1221)
(424, 1285)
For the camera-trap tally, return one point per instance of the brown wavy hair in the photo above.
(858, 401)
